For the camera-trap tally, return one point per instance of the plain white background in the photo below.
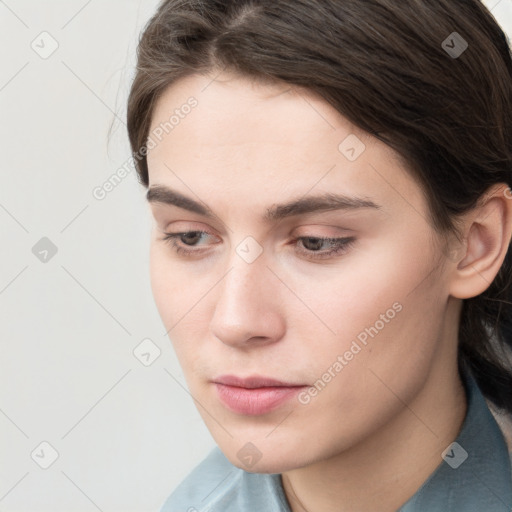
(119, 432)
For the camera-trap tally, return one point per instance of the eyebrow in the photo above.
(310, 204)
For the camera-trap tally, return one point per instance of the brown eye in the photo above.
(184, 242)
(313, 245)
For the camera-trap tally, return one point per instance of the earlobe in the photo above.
(487, 234)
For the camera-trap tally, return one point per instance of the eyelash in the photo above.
(341, 244)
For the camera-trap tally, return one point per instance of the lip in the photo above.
(254, 395)
(253, 381)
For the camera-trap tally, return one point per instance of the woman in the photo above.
(330, 186)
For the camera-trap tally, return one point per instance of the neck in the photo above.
(384, 471)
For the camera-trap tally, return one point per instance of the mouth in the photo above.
(254, 395)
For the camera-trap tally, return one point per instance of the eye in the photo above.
(187, 238)
(186, 243)
(313, 244)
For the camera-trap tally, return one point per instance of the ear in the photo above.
(487, 231)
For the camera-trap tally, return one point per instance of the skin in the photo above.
(376, 431)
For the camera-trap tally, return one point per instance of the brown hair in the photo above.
(395, 70)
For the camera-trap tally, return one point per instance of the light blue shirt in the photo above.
(473, 476)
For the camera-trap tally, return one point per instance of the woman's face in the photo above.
(358, 322)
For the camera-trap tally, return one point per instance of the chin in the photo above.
(266, 457)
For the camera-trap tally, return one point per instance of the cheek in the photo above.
(351, 296)
(173, 290)
(181, 296)
(374, 307)
(164, 283)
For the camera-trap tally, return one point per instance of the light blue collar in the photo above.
(483, 481)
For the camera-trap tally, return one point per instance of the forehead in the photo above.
(243, 137)
(235, 111)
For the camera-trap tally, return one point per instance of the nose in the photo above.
(248, 311)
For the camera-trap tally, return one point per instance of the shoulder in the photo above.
(216, 485)
(475, 474)
(197, 487)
